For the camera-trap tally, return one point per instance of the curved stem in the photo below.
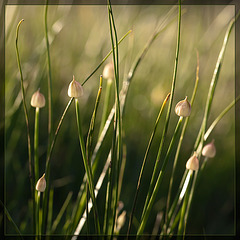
(27, 124)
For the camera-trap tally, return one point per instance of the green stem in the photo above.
(106, 105)
(30, 165)
(156, 167)
(49, 79)
(36, 137)
(180, 142)
(145, 214)
(106, 57)
(38, 215)
(87, 168)
(144, 162)
(47, 168)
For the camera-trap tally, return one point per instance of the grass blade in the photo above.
(30, 165)
(144, 162)
(156, 167)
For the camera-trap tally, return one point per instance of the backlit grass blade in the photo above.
(144, 162)
(30, 164)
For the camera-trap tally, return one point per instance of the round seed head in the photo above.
(41, 184)
(108, 71)
(38, 99)
(192, 163)
(75, 89)
(183, 108)
(209, 150)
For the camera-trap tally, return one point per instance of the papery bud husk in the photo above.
(193, 163)
(183, 108)
(75, 89)
(209, 150)
(38, 99)
(41, 184)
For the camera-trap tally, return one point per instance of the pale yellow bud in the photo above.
(41, 184)
(209, 150)
(108, 71)
(192, 163)
(183, 108)
(75, 89)
(38, 100)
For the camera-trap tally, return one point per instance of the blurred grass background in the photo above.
(79, 40)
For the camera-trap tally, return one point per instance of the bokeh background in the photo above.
(79, 39)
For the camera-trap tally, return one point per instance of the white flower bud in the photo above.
(38, 100)
(183, 108)
(75, 89)
(41, 184)
(209, 150)
(192, 163)
(108, 71)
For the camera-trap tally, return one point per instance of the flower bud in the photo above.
(108, 71)
(192, 163)
(75, 89)
(209, 150)
(38, 100)
(41, 184)
(183, 108)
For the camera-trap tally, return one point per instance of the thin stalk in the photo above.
(49, 78)
(180, 141)
(30, 164)
(106, 105)
(36, 137)
(156, 167)
(145, 214)
(37, 215)
(50, 211)
(47, 168)
(144, 162)
(87, 167)
(219, 117)
(117, 145)
(213, 84)
(106, 57)
(36, 163)
(92, 123)
(199, 144)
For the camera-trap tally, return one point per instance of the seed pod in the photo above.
(108, 71)
(209, 150)
(41, 184)
(183, 108)
(193, 163)
(38, 99)
(75, 89)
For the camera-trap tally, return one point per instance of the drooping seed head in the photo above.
(75, 89)
(41, 184)
(38, 99)
(183, 108)
(192, 163)
(108, 71)
(209, 150)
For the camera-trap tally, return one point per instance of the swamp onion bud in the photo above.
(38, 99)
(192, 163)
(75, 89)
(209, 150)
(108, 71)
(41, 184)
(183, 108)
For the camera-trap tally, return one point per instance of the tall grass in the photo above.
(94, 205)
